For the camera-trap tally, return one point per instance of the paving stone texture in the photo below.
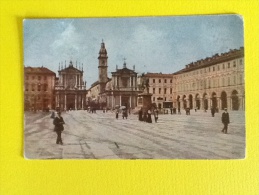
(101, 136)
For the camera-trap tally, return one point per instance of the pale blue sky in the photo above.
(152, 44)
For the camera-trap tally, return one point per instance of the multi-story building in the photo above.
(70, 89)
(215, 82)
(162, 88)
(39, 85)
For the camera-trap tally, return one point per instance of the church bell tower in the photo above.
(102, 67)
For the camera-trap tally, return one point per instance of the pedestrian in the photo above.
(145, 116)
(58, 122)
(174, 110)
(156, 115)
(179, 110)
(124, 113)
(171, 109)
(52, 115)
(140, 115)
(212, 112)
(117, 114)
(149, 119)
(225, 120)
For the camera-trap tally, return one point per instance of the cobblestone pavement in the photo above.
(101, 136)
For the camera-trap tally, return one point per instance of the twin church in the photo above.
(120, 89)
(216, 81)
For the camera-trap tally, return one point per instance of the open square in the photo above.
(101, 136)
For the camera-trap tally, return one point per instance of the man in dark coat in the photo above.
(225, 120)
(140, 115)
(213, 111)
(58, 122)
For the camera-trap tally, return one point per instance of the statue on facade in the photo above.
(145, 85)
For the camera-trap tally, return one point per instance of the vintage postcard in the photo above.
(134, 88)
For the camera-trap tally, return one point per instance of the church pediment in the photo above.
(71, 70)
(124, 71)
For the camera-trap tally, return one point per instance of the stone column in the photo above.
(194, 103)
(202, 103)
(130, 101)
(76, 102)
(65, 106)
(120, 100)
(229, 103)
(57, 103)
(82, 99)
(187, 103)
(112, 100)
(219, 102)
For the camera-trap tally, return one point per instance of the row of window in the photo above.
(164, 91)
(35, 97)
(154, 99)
(37, 77)
(35, 87)
(211, 83)
(214, 68)
(160, 80)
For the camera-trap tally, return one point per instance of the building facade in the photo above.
(39, 91)
(215, 82)
(122, 89)
(162, 88)
(70, 89)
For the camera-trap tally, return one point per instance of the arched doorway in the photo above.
(223, 98)
(70, 102)
(205, 101)
(235, 102)
(214, 100)
(184, 102)
(190, 101)
(198, 101)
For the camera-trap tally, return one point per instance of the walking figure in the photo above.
(124, 113)
(212, 112)
(145, 116)
(179, 110)
(140, 115)
(156, 115)
(149, 119)
(52, 115)
(225, 121)
(58, 122)
(117, 114)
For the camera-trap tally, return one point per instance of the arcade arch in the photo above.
(223, 97)
(205, 101)
(198, 101)
(234, 98)
(214, 100)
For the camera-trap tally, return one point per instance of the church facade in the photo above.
(120, 90)
(70, 89)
